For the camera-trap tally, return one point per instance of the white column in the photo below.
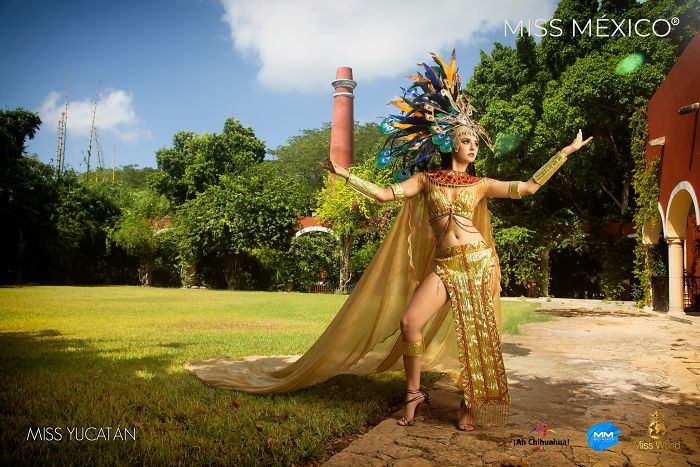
(675, 276)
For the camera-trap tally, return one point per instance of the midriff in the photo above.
(454, 235)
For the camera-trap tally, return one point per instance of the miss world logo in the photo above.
(603, 435)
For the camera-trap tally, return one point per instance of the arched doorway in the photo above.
(681, 234)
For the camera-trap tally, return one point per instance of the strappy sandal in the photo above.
(426, 400)
(464, 426)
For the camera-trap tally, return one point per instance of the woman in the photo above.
(437, 262)
(463, 264)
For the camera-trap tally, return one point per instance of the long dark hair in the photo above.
(446, 164)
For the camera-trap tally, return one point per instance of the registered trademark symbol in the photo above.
(675, 21)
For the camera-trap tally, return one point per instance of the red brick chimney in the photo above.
(342, 148)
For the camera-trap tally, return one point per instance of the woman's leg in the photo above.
(429, 297)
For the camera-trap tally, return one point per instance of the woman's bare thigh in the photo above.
(427, 300)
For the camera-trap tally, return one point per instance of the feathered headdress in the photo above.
(432, 108)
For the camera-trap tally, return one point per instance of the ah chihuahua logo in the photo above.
(603, 435)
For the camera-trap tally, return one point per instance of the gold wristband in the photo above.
(549, 168)
(397, 189)
(513, 190)
(413, 349)
(363, 187)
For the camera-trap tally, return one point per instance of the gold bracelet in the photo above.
(549, 168)
(365, 188)
(397, 189)
(413, 349)
(513, 190)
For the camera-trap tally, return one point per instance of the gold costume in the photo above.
(471, 275)
(461, 339)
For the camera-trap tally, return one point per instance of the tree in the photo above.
(195, 162)
(350, 214)
(24, 185)
(299, 158)
(227, 221)
(16, 126)
(534, 98)
(139, 230)
(300, 267)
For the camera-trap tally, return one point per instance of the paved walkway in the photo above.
(597, 362)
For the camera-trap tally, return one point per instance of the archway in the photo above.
(683, 203)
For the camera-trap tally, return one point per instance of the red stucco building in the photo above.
(674, 137)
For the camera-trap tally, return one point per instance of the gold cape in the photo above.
(365, 336)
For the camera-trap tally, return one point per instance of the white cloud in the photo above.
(115, 114)
(298, 44)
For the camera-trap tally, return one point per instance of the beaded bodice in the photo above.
(453, 195)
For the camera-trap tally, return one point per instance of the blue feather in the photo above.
(401, 175)
(430, 73)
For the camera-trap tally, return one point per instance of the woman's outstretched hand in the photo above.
(333, 168)
(577, 144)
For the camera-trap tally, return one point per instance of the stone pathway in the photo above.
(596, 362)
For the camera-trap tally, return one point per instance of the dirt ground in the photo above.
(597, 362)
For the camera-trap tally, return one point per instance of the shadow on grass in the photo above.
(53, 381)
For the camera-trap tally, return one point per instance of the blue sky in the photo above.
(166, 66)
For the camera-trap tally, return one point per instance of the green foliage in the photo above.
(82, 216)
(646, 187)
(229, 220)
(348, 212)
(16, 126)
(129, 175)
(300, 267)
(53, 229)
(533, 98)
(139, 230)
(196, 162)
(520, 262)
(298, 159)
(613, 279)
(354, 217)
(229, 202)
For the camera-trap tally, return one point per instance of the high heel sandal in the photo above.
(426, 400)
(465, 426)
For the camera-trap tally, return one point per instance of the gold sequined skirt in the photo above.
(467, 272)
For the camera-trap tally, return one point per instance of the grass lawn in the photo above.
(81, 357)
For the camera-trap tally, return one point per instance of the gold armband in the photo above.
(513, 190)
(363, 187)
(413, 349)
(397, 189)
(549, 168)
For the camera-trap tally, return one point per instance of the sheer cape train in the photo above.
(365, 337)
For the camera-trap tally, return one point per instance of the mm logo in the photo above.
(602, 436)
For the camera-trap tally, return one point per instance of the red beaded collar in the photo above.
(449, 177)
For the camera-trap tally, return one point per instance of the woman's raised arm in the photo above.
(517, 190)
(405, 189)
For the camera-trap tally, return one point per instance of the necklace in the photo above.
(451, 177)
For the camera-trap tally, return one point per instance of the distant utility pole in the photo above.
(92, 127)
(61, 145)
(114, 161)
